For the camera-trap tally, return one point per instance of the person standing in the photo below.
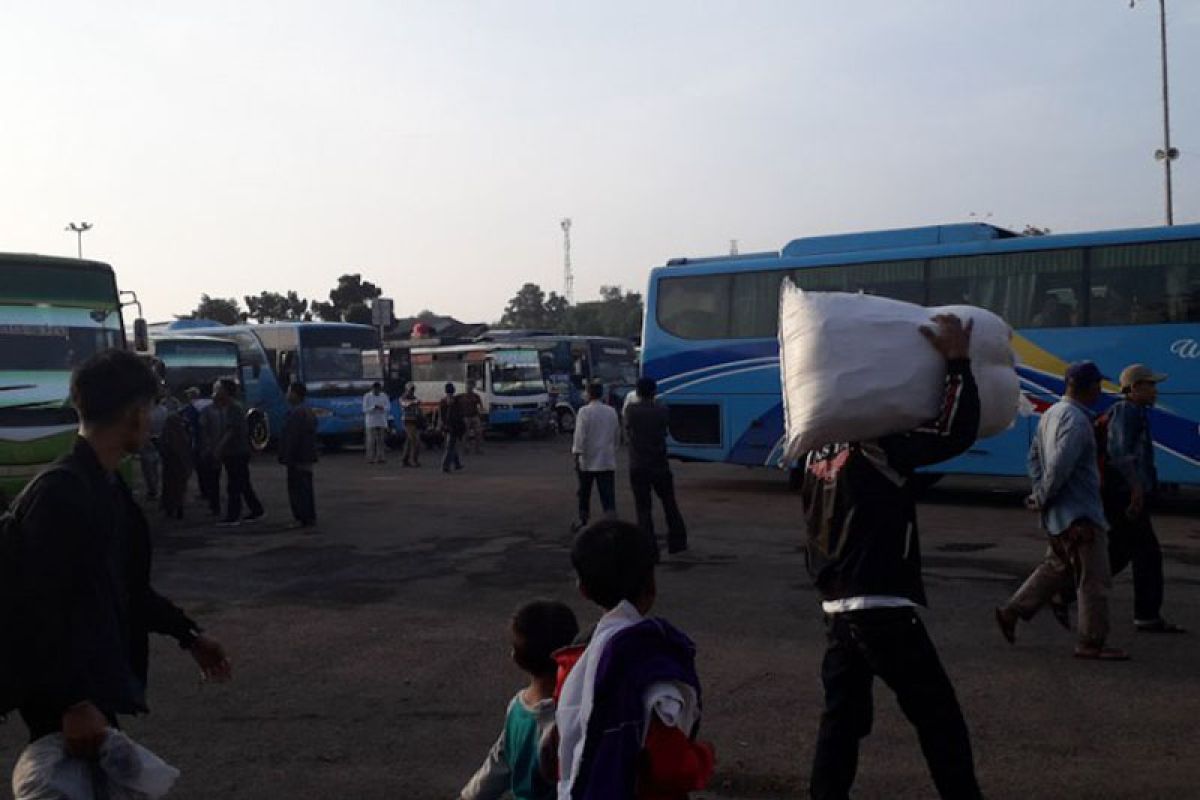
(649, 470)
(1066, 491)
(83, 570)
(175, 446)
(863, 551)
(298, 452)
(233, 449)
(150, 455)
(472, 411)
(1128, 484)
(375, 410)
(410, 408)
(208, 462)
(450, 419)
(597, 434)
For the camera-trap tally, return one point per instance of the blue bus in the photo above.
(337, 361)
(1115, 297)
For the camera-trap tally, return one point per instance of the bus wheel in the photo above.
(260, 430)
(565, 419)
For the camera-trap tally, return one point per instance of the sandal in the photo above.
(1097, 653)
(1158, 626)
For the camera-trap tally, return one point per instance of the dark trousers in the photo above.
(605, 484)
(237, 488)
(450, 459)
(208, 476)
(660, 482)
(893, 645)
(1132, 539)
(300, 493)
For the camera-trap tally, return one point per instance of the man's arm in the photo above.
(492, 779)
(1124, 433)
(579, 442)
(1059, 461)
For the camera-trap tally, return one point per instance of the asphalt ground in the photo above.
(371, 654)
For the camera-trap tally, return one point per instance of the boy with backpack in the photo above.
(514, 764)
(629, 700)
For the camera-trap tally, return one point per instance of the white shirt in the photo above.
(597, 434)
(375, 407)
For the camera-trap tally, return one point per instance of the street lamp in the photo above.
(79, 230)
(1166, 154)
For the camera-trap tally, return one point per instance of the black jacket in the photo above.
(646, 427)
(85, 574)
(859, 508)
(298, 441)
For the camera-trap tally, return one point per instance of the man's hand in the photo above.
(210, 655)
(951, 338)
(84, 729)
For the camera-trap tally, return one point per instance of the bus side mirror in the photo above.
(141, 335)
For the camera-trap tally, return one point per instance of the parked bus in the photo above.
(327, 356)
(1114, 297)
(508, 379)
(570, 363)
(54, 313)
(194, 361)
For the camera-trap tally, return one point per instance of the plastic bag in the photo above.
(128, 771)
(855, 367)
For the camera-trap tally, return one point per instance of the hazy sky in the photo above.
(230, 147)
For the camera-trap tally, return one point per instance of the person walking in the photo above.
(594, 449)
(175, 445)
(83, 571)
(472, 411)
(450, 419)
(863, 551)
(1066, 491)
(414, 424)
(649, 470)
(233, 449)
(208, 462)
(298, 452)
(375, 410)
(1128, 486)
(150, 455)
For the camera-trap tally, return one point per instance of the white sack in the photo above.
(131, 772)
(856, 367)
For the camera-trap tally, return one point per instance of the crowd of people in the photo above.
(614, 712)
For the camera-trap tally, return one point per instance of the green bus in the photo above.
(54, 313)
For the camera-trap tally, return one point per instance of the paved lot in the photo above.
(372, 660)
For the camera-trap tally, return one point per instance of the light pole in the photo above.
(79, 230)
(1167, 154)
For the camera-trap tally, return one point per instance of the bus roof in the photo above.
(202, 325)
(55, 261)
(934, 241)
(472, 348)
(188, 337)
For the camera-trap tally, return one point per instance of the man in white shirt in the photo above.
(597, 433)
(375, 409)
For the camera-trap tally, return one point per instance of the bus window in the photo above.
(1146, 284)
(695, 307)
(755, 305)
(899, 280)
(1029, 290)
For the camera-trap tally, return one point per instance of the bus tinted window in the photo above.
(695, 307)
(1029, 290)
(1145, 284)
(899, 280)
(755, 304)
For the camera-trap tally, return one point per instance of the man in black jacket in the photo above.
(298, 452)
(864, 553)
(84, 566)
(649, 470)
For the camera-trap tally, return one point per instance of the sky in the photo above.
(234, 147)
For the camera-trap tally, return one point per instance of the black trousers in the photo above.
(237, 487)
(300, 494)
(1132, 539)
(660, 482)
(606, 485)
(893, 645)
(208, 475)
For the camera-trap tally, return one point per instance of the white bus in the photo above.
(507, 378)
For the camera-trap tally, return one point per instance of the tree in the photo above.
(527, 308)
(353, 290)
(358, 313)
(220, 309)
(275, 307)
(1035, 230)
(327, 312)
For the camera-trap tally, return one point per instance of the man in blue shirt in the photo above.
(1065, 473)
(1129, 481)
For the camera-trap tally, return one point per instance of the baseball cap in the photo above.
(1084, 373)
(1138, 373)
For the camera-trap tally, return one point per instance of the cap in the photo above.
(1084, 373)
(1140, 373)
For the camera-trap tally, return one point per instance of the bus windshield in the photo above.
(57, 344)
(335, 354)
(196, 363)
(614, 364)
(517, 372)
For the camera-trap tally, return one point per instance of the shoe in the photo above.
(1159, 625)
(229, 523)
(1007, 620)
(1095, 652)
(252, 518)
